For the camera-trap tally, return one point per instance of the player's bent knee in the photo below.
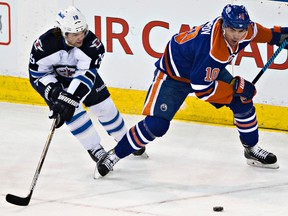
(106, 107)
(157, 126)
(238, 107)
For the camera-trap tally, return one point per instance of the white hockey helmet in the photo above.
(71, 20)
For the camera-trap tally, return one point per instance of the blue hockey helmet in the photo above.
(235, 16)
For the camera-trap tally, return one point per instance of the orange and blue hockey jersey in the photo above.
(197, 56)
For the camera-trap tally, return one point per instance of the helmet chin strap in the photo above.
(223, 29)
(224, 35)
(244, 36)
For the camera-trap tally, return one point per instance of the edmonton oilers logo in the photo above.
(163, 107)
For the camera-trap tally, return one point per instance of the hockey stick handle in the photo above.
(270, 61)
(24, 201)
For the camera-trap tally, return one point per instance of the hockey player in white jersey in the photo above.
(63, 69)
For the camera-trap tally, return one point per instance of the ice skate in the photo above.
(106, 164)
(258, 157)
(141, 153)
(97, 154)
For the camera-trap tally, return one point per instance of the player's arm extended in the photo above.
(220, 92)
(272, 36)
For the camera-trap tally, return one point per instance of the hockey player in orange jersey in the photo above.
(194, 62)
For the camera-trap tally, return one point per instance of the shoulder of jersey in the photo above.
(91, 41)
(46, 44)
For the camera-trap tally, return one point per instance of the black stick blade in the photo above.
(20, 201)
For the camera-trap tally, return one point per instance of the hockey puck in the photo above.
(218, 208)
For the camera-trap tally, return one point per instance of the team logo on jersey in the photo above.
(163, 107)
(38, 45)
(65, 71)
(96, 43)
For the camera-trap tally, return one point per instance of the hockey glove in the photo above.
(245, 89)
(52, 91)
(279, 34)
(64, 107)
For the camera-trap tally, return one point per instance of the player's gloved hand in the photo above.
(279, 34)
(245, 89)
(64, 108)
(52, 91)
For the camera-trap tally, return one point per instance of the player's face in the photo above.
(234, 36)
(76, 39)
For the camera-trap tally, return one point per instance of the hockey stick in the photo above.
(269, 62)
(266, 66)
(24, 201)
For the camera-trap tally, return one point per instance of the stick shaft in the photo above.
(43, 155)
(24, 201)
(270, 61)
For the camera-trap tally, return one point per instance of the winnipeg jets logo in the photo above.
(65, 71)
(96, 43)
(68, 72)
(38, 45)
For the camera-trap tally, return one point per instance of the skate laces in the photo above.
(259, 152)
(110, 160)
(99, 153)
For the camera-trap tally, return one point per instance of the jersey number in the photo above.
(32, 60)
(211, 74)
(99, 60)
(188, 35)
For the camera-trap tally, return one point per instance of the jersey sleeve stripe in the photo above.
(170, 66)
(85, 81)
(37, 74)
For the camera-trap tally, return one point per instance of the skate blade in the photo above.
(96, 174)
(144, 155)
(261, 165)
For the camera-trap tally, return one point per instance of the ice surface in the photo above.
(191, 169)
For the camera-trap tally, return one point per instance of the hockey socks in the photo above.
(136, 138)
(247, 127)
(110, 118)
(141, 134)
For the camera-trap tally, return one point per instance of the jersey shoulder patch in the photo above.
(46, 45)
(92, 45)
